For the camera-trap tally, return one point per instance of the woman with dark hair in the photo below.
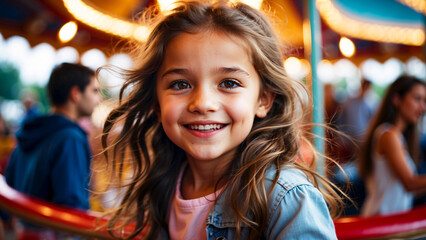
(389, 156)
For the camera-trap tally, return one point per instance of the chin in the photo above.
(204, 157)
(415, 121)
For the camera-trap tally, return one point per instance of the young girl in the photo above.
(391, 148)
(214, 126)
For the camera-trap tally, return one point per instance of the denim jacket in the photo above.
(297, 210)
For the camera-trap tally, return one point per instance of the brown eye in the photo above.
(179, 85)
(229, 83)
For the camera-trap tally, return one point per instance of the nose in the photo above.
(97, 98)
(203, 100)
(100, 97)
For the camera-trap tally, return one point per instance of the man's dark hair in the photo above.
(64, 77)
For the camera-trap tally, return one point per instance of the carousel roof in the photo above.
(378, 28)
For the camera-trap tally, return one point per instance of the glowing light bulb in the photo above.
(347, 47)
(166, 5)
(67, 32)
(294, 68)
(96, 19)
(292, 64)
(257, 4)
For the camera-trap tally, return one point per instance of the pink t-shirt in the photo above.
(187, 218)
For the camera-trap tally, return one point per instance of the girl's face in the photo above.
(413, 105)
(209, 94)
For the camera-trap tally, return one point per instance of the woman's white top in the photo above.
(385, 192)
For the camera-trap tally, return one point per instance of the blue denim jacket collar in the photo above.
(221, 220)
(294, 205)
(224, 218)
(220, 217)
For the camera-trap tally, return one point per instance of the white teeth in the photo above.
(208, 127)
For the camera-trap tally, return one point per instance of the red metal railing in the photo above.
(59, 218)
(410, 224)
(404, 225)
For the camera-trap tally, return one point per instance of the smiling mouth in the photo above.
(205, 127)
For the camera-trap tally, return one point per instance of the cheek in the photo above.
(411, 106)
(166, 120)
(241, 114)
(409, 109)
(95, 99)
(169, 113)
(244, 106)
(241, 111)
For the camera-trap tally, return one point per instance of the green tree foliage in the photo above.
(41, 93)
(10, 83)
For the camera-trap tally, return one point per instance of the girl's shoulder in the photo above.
(288, 178)
(291, 186)
(293, 203)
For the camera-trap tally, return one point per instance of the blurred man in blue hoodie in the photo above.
(52, 158)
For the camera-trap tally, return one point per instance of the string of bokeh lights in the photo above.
(412, 35)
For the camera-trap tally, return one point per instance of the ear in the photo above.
(266, 99)
(75, 94)
(396, 99)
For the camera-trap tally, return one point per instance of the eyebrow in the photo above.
(175, 71)
(233, 70)
(222, 70)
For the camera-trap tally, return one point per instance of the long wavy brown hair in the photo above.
(274, 140)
